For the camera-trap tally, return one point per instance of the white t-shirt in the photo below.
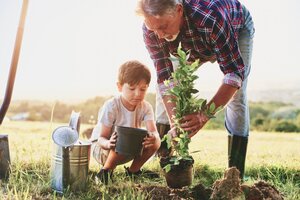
(114, 113)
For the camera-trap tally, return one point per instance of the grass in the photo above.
(273, 157)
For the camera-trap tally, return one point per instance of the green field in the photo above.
(273, 157)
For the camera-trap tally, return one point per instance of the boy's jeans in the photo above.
(237, 120)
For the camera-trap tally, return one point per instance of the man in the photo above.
(213, 30)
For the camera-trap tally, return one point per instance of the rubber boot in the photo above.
(237, 149)
(163, 129)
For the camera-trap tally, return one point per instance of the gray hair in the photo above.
(156, 7)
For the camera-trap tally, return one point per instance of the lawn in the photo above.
(273, 157)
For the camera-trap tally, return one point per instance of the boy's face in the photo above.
(132, 95)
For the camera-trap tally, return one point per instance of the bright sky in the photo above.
(72, 49)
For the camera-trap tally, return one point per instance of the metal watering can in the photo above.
(70, 160)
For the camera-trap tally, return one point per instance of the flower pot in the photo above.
(180, 175)
(129, 140)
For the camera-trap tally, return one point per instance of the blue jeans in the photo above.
(237, 120)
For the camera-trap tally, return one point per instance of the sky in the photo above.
(72, 49)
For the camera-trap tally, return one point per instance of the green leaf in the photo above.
(212, 107)
(167, 82)
(194, 91)
(167, 168)
(203, 105)
(195, 64)
(176, 162)
(194, 77)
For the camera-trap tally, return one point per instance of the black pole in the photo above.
(14, 63)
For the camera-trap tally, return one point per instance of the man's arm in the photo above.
(195, 121)
(223, 95)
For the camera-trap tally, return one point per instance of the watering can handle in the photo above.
(75, 121)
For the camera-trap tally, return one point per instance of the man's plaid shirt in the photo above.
(210, 31)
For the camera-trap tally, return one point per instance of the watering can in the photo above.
(70, 160)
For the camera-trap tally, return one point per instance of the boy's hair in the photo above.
(132, 72)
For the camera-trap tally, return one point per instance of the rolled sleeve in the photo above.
(163, 89)
(233, 80)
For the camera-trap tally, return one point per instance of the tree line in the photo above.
(264, 116)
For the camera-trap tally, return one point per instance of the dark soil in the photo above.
(227, 188)
(261, 191)
(199, 192)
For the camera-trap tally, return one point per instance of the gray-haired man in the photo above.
(213, 30)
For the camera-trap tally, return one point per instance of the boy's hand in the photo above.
(149, 140)
(111, 143)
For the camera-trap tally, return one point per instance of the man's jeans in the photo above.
(237, 120)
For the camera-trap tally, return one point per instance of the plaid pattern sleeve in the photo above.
(227, 51)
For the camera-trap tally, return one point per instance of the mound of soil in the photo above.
(229, 187)
(261, 191)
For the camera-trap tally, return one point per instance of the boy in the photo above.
(127, 109)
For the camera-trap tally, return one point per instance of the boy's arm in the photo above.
(105, 140)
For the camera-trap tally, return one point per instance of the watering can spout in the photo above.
(75, 121)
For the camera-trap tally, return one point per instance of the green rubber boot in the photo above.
(237, 149)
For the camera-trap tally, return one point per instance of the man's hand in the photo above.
(173, 132)
(193, 122)
(111, 143)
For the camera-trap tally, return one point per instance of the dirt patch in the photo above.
(261, 191)
(199, 192)
(227, 188)
(159, 192)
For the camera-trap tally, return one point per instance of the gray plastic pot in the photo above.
(129, 140)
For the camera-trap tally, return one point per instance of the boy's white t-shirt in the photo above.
(113, 113)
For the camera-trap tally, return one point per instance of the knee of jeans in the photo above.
(237, 103)
(237, 130)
